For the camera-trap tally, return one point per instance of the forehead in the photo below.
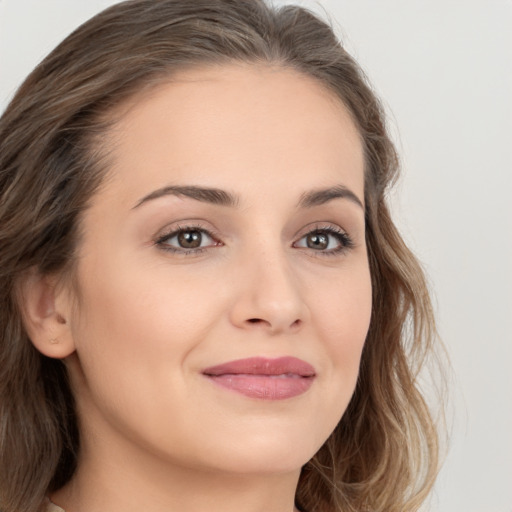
(237, 122)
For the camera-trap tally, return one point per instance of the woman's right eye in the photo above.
(187, 240)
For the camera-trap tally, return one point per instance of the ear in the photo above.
(46, 309)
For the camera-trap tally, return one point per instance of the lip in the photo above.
(263, 378)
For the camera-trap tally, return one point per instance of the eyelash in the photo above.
(345, 241)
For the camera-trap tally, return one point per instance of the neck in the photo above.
(116, 483)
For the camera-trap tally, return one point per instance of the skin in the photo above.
(147, 320)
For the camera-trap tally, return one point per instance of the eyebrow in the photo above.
(221, 197)
(204, 194)
(322, 196)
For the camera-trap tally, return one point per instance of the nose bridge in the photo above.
(269, 295)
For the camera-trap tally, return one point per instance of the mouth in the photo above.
(262, 378)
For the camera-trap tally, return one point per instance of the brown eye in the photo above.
(317, 240)
(325, 241)
(190, 239)
(187, 240)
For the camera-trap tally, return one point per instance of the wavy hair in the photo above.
(383, 455)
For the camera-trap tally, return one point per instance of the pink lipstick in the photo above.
(266, 379)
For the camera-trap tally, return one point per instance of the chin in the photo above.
(264, 452)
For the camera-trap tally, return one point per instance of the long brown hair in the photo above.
(383, 453)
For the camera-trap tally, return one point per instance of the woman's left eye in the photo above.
(326, 240)
(187, 240)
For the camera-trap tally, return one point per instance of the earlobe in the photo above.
(46, 311)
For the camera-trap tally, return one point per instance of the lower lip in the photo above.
(264, 387)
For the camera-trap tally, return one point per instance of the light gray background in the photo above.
(444, 70)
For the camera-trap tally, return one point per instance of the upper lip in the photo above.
(263, 366)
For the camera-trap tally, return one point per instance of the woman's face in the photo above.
(224, 288)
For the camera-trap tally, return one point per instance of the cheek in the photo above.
(340, 318)
(138, 316)
(343, 318)
(136, 328)
(133, 335)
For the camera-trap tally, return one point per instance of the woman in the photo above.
(205, 304)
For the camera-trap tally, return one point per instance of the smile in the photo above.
(262, 378)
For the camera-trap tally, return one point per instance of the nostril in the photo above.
(297, 323)
(294, 325)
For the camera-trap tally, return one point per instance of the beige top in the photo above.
(51, 507)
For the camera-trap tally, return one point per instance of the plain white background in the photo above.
(444, 70)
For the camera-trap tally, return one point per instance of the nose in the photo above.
(268, 296)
